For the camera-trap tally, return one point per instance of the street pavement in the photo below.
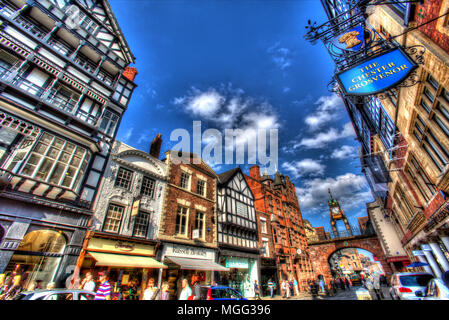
(341, 295)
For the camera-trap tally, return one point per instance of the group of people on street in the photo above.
(151, 292)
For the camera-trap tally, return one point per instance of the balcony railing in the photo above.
(28, 86)
(87, 117)
(6, 10)
(60, 47)
(85, 64)
(30, 27)
(62, 102)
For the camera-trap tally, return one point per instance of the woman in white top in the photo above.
(88, 282)
(186, 292)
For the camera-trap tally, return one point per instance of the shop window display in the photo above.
(37, 259)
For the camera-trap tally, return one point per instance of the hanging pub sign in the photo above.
(376, 74)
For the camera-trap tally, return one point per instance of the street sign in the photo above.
(377, 74)
(195, 233)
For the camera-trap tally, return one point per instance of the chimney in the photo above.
(155, 147)
(130, 73)
(254, 172)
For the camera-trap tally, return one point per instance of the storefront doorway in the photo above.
(37, 258)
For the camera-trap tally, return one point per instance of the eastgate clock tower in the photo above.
(336, 213)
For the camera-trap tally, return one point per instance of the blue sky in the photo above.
(244, 64)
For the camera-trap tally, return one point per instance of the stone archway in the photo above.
(320, 252)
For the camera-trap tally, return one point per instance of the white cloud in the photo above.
(204, 104)
(344, 152)
(322, 139)
(127, 135)
(304, 167)
(350, 190)
(282, 57)
(328, 107)
(286, 89)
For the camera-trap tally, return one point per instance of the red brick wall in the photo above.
(431, 9)
(174, 193)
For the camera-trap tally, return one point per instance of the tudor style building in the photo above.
(237, 232)
(278, 199)
(64, 86)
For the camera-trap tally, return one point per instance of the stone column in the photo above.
(445, 240)
(440, 256)
(424, 260)
(432, 262)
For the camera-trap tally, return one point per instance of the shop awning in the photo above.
(121, 260)
(196, 264)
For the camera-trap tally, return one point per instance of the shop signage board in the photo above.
(426, 247)
(177, 250)
(352, 40)
(417, 253)
(117, 246)
(238, 263)
(376, 74)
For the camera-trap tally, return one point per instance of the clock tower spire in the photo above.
(336, 213)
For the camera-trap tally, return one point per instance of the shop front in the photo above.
(185, 261)
(130, 264)
(243, 270)
(268, 271)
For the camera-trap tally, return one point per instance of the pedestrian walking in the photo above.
(321, 284)
(376, 285)
(256, 290)
(88, 282)
(284, 288)
(163, 293)
(186, 292)
(342, 283)
(347, 283)
(151, 290)
(104, 290)
(369, 286)
(271, 286)
(196, 287)
(295, 285)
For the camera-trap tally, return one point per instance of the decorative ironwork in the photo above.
(416, 52)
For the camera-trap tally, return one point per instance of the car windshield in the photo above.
(416, 280)
(22, 296)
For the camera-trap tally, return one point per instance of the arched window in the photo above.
(38, 257)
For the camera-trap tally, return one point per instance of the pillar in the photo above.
(445, 240)
(432, 262)
(440, 256)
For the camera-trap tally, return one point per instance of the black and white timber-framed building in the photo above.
(237, 233)
(65, 83)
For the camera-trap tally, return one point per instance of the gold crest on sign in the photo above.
(350, 39)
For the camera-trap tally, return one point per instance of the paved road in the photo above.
(341, 295)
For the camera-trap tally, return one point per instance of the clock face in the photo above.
(335, 210)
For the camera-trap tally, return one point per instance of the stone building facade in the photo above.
(408, 129)
(62, 94)
(277, 197)
(127, 213)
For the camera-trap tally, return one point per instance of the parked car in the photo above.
(56, 294)
(435, 290)
(220, 293)
(404, 285)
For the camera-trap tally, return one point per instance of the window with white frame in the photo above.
(123, 92)
(201, 187)
(124, 177)
(108, 122)
(148, 186)
(263, 226)
(266, 247)
(184, 180)
(181, 221)
(200, 223)
(53, 160)
(141, 224)
(113, 218)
